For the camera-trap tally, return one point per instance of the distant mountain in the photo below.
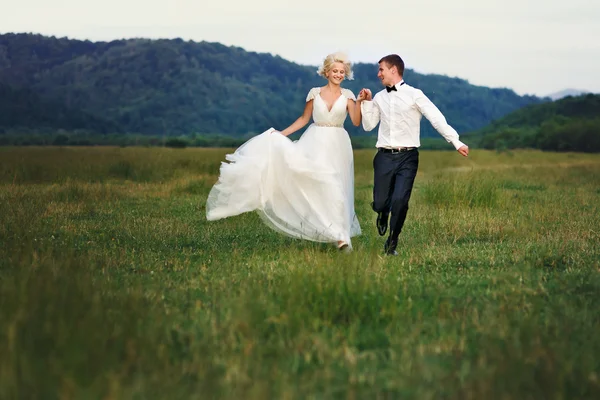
(566, 92)
(568, 124)
(172, 87)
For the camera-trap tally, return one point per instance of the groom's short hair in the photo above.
(394, 60)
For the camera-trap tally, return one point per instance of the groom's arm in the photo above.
(438, 121)
(370, 114)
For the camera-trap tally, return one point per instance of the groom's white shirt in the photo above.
(399, 116)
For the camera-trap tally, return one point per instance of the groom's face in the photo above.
(385, 74)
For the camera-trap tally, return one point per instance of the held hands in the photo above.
(463, 150)
(364, 94)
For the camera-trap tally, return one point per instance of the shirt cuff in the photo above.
(366, 105)
(457, 144)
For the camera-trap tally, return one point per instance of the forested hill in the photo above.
(25, 109)
(569, 124)
(174, 87)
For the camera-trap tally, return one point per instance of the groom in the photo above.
(398, 109)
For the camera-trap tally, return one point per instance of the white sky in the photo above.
(531, 46)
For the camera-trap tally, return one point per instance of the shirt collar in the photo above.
(399, 84)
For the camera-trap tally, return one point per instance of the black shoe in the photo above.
(382, 223)
(390, 247)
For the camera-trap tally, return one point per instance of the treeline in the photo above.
(559, 134)
(91, 139)
(569, 124)
(214, 140)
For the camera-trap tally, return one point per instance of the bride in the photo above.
(303, 189)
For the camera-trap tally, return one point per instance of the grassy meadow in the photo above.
(114, 286)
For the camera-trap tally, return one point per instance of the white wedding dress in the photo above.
(304, 189)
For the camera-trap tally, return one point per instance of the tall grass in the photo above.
(113, 285)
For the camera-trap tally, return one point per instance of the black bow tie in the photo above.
(393, 88)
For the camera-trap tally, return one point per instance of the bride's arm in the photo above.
(300, 122)
(354, 111)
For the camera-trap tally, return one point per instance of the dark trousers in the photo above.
(394, 176)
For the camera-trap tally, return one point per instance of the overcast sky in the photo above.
(531, 46)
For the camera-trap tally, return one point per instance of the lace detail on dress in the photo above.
(312, 94)
(348, 94)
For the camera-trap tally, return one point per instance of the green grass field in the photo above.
(114, 286)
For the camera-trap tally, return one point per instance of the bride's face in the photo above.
(336, 73)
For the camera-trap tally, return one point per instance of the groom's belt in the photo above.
(396, 150)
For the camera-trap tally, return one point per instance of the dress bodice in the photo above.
(322, 115)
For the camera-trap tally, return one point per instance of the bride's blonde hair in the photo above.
(333, 58)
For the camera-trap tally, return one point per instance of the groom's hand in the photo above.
(368, 94)
(463, 150)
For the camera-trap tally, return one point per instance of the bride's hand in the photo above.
(364, 94)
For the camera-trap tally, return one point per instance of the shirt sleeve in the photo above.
(370, 114)
(437, 119)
